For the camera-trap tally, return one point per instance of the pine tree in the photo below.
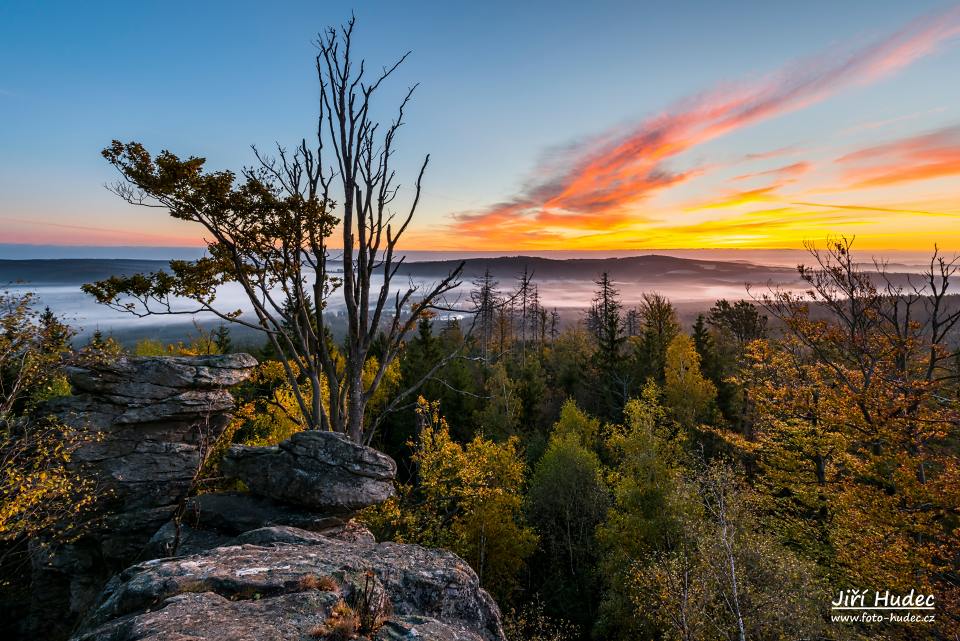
(54, 334)
(554, 324)
(221, 338)
(659, 325)
(605, 322)
(486, 300)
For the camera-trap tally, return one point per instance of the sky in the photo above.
(550, 125)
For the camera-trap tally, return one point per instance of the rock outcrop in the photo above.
(155, 418)
(281, 561)
(319, 470)
(286, 586)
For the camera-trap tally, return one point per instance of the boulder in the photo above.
(323, 471)
(285, 586)
(156, 418)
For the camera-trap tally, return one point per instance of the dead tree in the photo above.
(271, 235)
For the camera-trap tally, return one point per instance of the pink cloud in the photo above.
(595, 182)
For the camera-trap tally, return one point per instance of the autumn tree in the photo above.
(42, 493)
(466, 498)
(866, 396)
(270, 233)
(687, 393)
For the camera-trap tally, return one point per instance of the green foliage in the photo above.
(605, 322)
(647, 459)
(742, 321)
(566, 501)
(32, 350)
(500, 415)
(720, 574)
(466, 498)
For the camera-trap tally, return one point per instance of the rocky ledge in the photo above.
(156, 418)
(289, 585)
(284, 560)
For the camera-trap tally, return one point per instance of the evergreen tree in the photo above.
(54, 334)
(486, 299)
(221, 338)
(605, 321)
(659, 325)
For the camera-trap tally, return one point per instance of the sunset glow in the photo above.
(607, 193)
(720, 163)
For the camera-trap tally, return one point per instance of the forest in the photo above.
(625, 477)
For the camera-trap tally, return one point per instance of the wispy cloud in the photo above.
(785, 172)
(594, 185)
(772, 153)
(880, 124)
(37, 231)
(932, 155)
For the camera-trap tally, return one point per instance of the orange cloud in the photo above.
(931, 155)
(738, 199)
(593, 186)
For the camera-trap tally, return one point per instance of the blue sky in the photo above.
(504, 87)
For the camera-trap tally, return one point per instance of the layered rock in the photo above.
(249, 565)
(271, 591)
(275, 562)
(314, 481)
(323, 471)
(156, 418)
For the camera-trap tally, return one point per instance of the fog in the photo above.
(83, 313)
(692, 279)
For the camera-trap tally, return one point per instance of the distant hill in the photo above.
(648, 272)
(651, 268)
(73, 271)
(640, 269)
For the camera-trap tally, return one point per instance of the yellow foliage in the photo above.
(466, 498)
(39, 491)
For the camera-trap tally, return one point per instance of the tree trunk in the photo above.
(355, 405)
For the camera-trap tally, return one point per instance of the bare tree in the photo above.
(486, 299)
(271, 235)
(369, 236)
